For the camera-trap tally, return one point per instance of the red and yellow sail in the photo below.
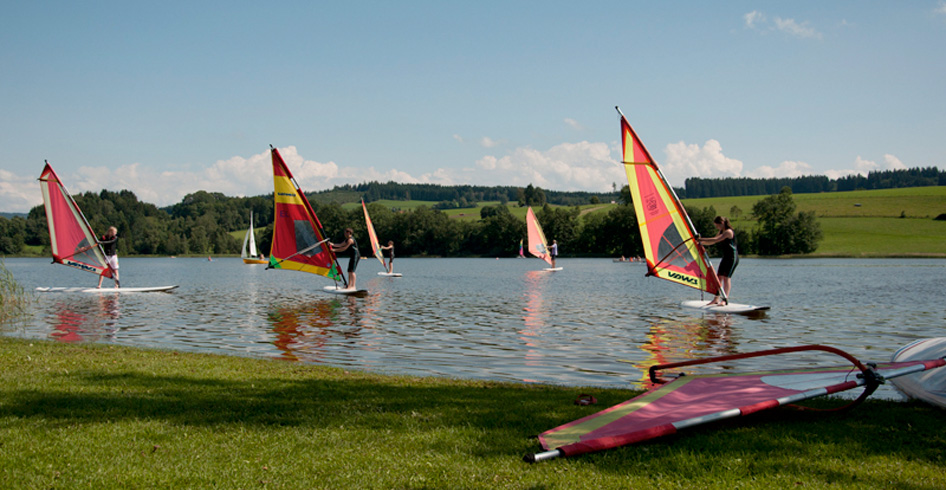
(298, 240)
(670, 245)
(372, 236)
(537, 244)
(70, 237)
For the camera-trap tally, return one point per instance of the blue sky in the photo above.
(166, 98)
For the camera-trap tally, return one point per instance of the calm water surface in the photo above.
(597, 323)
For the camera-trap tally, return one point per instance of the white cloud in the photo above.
(940, 8)
(458, 138)
(787, 168)
(487, 142)
(691, 160)
(893, 163)
(19, 193)
(574, 124)
(753, 18)
(568, 166)
(863, 166)
(758, 21)
(798, 30)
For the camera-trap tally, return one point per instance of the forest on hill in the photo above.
(203, 222)
(695, 187)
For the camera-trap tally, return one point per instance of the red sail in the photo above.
(298, 240)
(70, 237)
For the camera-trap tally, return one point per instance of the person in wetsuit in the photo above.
(726, 238)
(388, 252)
(109, 243)
(349, 245)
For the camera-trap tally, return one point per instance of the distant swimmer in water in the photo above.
(726, 237)
(349, 245)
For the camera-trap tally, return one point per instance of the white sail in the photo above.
(249, 242)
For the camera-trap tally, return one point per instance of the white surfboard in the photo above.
(390, 274)
(151, 289)
(729, 308)
(345, 291)
(551, 269)
(929, 386)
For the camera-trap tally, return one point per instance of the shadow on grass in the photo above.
(500, 417)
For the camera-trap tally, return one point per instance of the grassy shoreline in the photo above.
(105, 416)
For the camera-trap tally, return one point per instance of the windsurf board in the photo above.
(551, 269)
(929, 386)
(347, 292)
(727, 308)
(151, 289)
(390, 274)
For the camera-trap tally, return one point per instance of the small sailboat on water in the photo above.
(72, 240)
(670, 246)
(299, 241)
(249, 253)
(538, 246)
(376, 245)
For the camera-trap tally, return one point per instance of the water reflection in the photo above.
(85, 318)
(321, 330)
(534, 318)
(671, 340)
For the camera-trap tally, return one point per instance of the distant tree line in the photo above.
(743, 186)
(203, 221)
(469, 194)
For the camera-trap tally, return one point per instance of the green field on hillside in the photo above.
(914, 202)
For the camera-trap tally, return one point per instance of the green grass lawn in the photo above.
(104, 416)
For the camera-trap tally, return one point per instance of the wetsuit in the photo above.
(354, 254)
(730, 256)
(388, 253)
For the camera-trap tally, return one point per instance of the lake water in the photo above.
(597, 323)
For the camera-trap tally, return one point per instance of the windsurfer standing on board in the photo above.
(388, 252)
(109, 243)
(351, 247)
(553, 251)
(727, 237)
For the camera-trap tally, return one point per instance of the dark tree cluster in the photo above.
(743, 186)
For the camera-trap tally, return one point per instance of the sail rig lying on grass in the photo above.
(537, 244)
(299, 242)
(688, 401)
(70, 237)
(670, 245)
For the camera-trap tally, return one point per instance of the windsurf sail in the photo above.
(537, 244)
(692, 400)
(522, 255)
(70, 237)
(299, 242)
(249, 254)
(670, 246)
(372, 236)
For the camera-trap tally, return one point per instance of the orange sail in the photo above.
(537, 244)
(669, 237)
(70, 237)
(299, 242)
(372, 236)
